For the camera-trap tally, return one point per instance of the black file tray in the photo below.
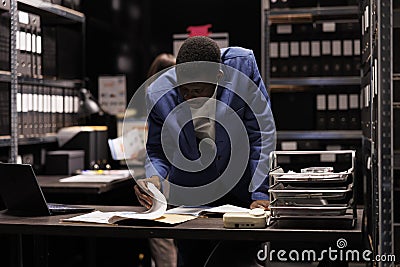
(281, 191)
(312, 195)
(307, 207)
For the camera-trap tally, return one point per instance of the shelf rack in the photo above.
(380, 157)
(51, 14)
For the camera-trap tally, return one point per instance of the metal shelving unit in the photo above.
(378, 127)
(51, 15)
(308, 85)
(14, 83)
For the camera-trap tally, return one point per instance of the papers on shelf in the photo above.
(97, 177)
(128, 148)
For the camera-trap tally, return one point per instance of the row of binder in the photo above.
(334, 48)
(4, 109)
(310, 3)
(43, 109)
(29, 45)
(338, 111)
(333, 108)
(326, 49)
(315, 67)
(4, 41)
(37, 48)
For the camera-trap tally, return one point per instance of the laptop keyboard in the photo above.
(53, 206)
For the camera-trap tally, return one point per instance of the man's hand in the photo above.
(260, 204)
(142, 192)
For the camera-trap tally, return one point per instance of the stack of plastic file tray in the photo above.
(316, 193)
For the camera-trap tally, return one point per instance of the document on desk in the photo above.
(156, 213)
(203, 210)
(103, 177)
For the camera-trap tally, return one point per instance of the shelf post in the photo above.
(14, 83)
(384, 128)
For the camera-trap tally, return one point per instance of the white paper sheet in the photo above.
(187, 210)
(105, 177)
(156, 211)
(127, 146)
(197, 211)
(227, 208)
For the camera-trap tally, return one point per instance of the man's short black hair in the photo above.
(197, 52)
(199, 48)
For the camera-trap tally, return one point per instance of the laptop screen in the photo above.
(20, 191)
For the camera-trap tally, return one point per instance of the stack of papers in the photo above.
(97, 177)
(158, 212)
(155, 213)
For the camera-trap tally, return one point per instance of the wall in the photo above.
(136, 31)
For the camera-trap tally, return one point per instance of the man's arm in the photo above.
(261, 132)
(156, 162)
(156, 165)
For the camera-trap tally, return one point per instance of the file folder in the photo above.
(4, 109)
(321, 117)
(5, 41)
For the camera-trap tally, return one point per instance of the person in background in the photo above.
(181, 84)
(161, 62)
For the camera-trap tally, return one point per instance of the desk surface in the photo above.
(200, 228)
(51, 184)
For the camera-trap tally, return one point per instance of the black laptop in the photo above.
(23, 196)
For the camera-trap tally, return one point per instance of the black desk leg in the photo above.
(16, 251)
(40, 251)
(90, 251)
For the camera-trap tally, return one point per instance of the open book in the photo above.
(126, 217)
(156, 213)
(205, 210)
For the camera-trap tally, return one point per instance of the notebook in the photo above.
(23, 196)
